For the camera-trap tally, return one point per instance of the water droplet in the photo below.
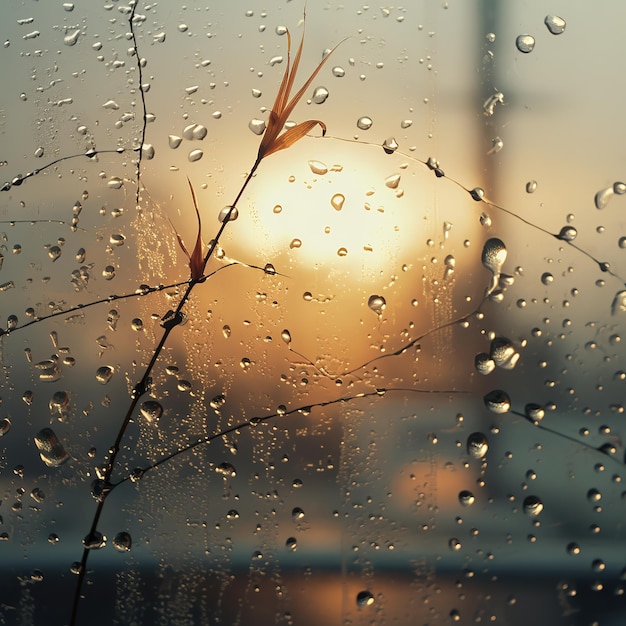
(364, 123)
(392, 181)
(94, 540)
(454, 544)
(497, 401)
(525, 43)
(39, 152)
(295, 243)
(218, 402)
(337, 201)
(534, 412)
(567, 233)
(466, 498)
(117, 240)
(619, 303)
(478, 193)
(147, 151)
(275, 60)
(532, 506)
(317, 167)
(364, 598)
(621, 242)
(477, 445)
(195, 155)
(5, 426)
(531, 186)
(342, 252)
(377, 304)
(286, 336)
(338, 71)
(491, 102)
(151, 410)
(493, 258)
(227, 470)
(115, 182)
(319, 95)
(257, 126)
(390, 145)
(297, 514)
(484, 364)
(291, 544)
(174, 141)
(503, 353)
(54, 252)
(104, 374)
(51, 450)
(122, 542)
(603, 197)
(556, 25)
(108, 273)
(228, 214)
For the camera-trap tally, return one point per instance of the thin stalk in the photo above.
(143, 386)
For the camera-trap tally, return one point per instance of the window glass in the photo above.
(355, 361)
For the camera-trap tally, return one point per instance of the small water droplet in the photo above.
(338, 71)
(286, 336)
(115, 182)
(556, 25)
(364, 123)
(364, 598)
(534, 412)
(619, 303)
(525, 43)
(454, 544)
(342, 252)
(490, 103)
(291, 544)
(117, 240)
(195, 155)
(295, 243)
(337, 201)
(5, 426)
(94, 540)
(503, 353)
(319, 95)
(108, 273)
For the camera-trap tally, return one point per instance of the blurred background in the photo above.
(396, 475)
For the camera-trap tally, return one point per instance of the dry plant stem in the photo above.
(143, 387)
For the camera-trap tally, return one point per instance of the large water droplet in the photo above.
(497, 401)
(364, 598)
(603, 197)
(228, 214)
(122, 542)
(503, 353)
(525, 43)
(174, 141)
(556, 25)
(532, 506)
(377, 304)
(484, 364)
(257, 126)
(104, 374)
(337, 201)
(51, 450)
(466, 498)
(493, 258)
(151, 410)
(618, 306)
(390, 145)
(319, 95)
(477, 445)
(364, 123)
(567, 233)
(317, 167)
